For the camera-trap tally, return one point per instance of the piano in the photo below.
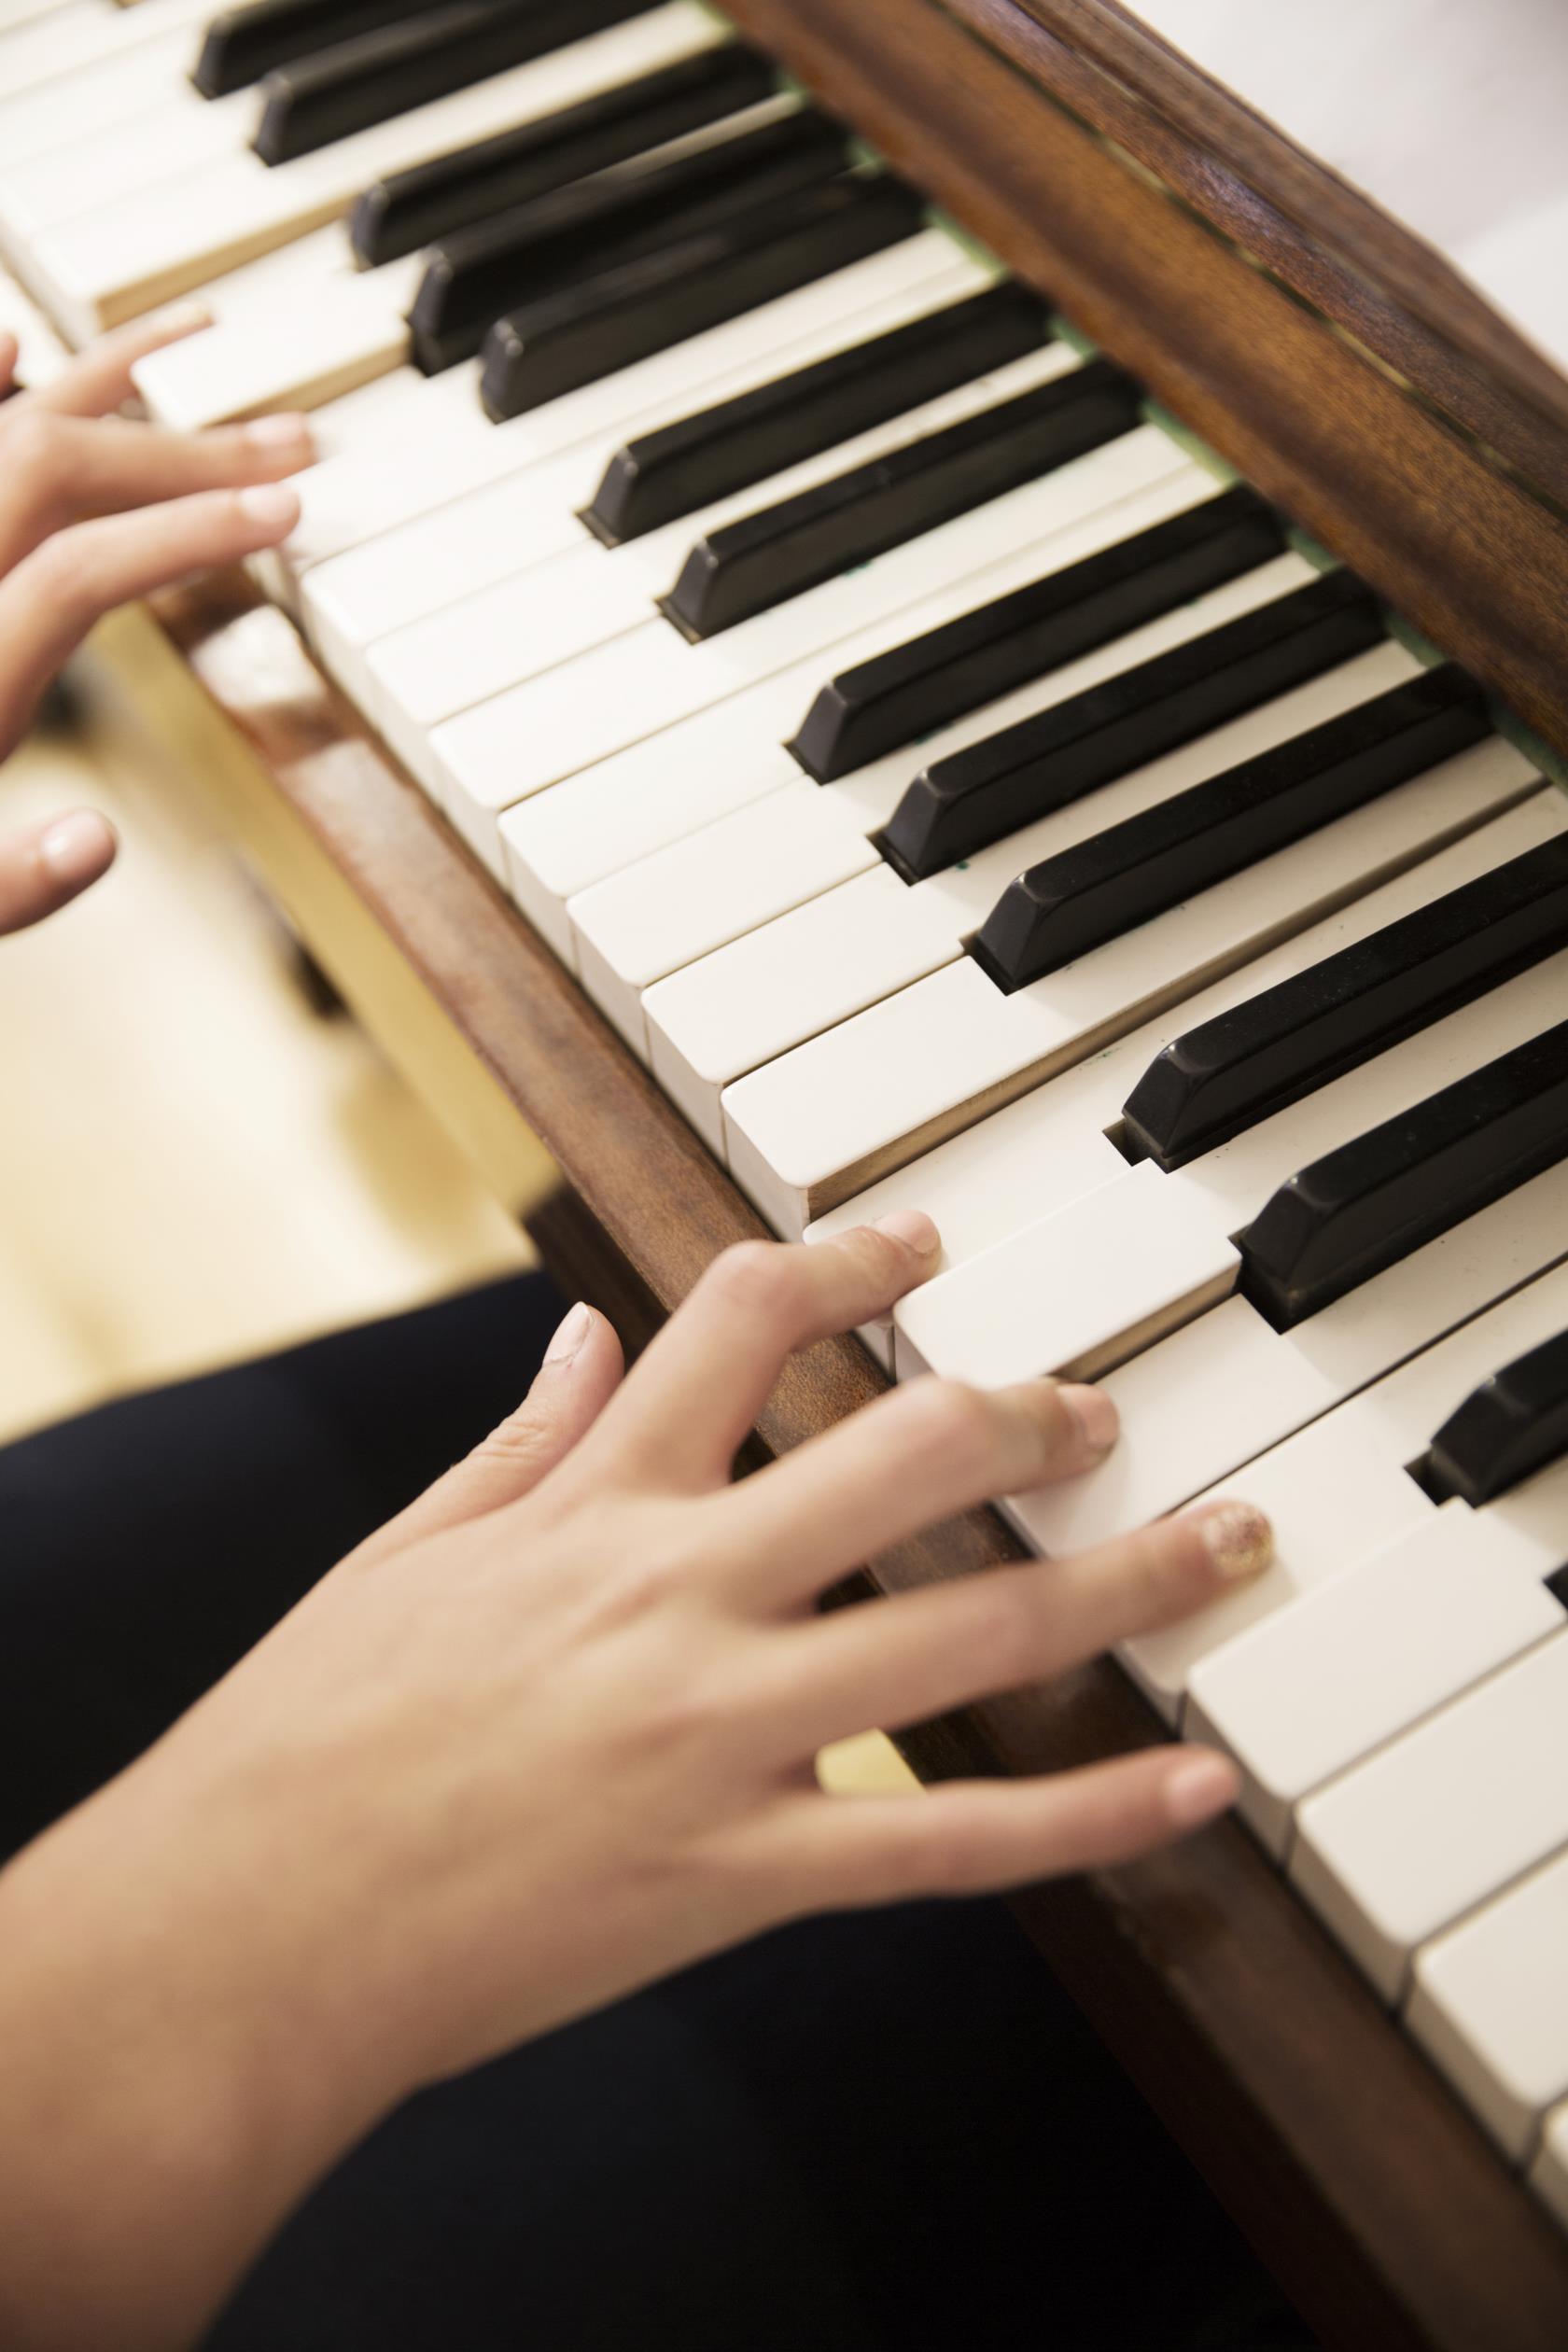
(912, 603)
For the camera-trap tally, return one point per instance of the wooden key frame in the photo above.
(1350, 375)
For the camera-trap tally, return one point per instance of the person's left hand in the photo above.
(95, 511)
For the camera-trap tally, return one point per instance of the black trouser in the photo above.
(859, 2133)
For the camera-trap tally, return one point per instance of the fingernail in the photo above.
(1239, 1539)
(911, 1225)
(1099, 1421)
(183, 319)
(271, 504)
(277, 432)
(77, 848)
(575, 1327)
(1201, 1787)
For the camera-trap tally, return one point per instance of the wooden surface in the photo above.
(948, 90)
(1378, 2204)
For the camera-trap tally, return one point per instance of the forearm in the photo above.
(163, 2103)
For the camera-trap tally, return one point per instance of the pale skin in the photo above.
(544, 1738)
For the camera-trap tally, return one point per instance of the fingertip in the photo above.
(76, 848)
(1237, 1537)
(914, 1228)
(272, 508)
(572, 1333)
(179, 320)
(1094, 1416)
(287, 441)
(1199, 1785)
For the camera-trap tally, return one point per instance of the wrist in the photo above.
(170, 2082)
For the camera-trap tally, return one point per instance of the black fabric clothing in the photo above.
(859, 2133)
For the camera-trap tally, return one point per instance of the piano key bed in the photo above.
(958, 791)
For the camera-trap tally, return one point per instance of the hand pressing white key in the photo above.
(544, 1739)
(95, 511)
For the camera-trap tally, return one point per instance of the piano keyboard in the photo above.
(959, 795)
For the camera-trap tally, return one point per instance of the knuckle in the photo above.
(61, 572)
(1002, 1624)
(759, 1279)
(947, 1861)
(516, 1442)
(954, 1424)
(1159, 1575)
(33, 448)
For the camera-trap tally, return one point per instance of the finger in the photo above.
(10, 352)
(926, 1450)
(970, 1838)
(60, 469)
(44, 870)
(693, 1397)
(896, 1662)
(50, 601)
(111, 465)
(101, 379)
(580, 1372)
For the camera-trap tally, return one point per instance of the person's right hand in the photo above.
(95, 511)
(548, 1736)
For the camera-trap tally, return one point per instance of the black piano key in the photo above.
(581, 332)
(575, 234)
(754, 564)
(241, 45)
(1121, 877)
(1513, 1424)
(1282, 1043)
(1361, 1208)
(933, 679)
(414, 208)
(972, 798)
(313, 101)
(702, 457)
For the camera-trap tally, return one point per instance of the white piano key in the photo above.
(1341, 1487)
(355, 332)
(67, 43)
(821, 1123)
(663, 790)
(585, 710)
(1487, 2004)
(1445, 1817)
(973, 1321)
(1548, 2174)
(40, 353)
(574, 593)
(425, 619)
(1200, 1406)
(15, 12)
(377, 413)
(110, 265)
(819, 965)
(333, 338)
(348, 503)
(992, 1179)
(1311, 1690)
(60, 124)
(181, 133)
(859, 803)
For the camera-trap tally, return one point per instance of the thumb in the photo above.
(580, 1372)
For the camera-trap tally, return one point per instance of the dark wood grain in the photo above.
(1318, 423)
(1382, 2208)
(1327, 240)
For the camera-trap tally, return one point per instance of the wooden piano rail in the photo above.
(1276, 313)
(1361, 2181)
